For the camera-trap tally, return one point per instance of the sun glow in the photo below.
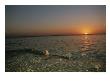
(86, 33)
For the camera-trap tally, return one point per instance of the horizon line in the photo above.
(17, 36)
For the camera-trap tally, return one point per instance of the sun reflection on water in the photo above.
(85, 45)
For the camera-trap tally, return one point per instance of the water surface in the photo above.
(78, 53)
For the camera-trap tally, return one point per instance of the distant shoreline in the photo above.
(51, 35)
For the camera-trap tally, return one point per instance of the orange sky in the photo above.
(56, 19)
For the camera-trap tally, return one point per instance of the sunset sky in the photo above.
(54, 19)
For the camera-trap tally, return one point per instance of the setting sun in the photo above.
(86, 33)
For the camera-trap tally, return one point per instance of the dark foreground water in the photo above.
(83, 53)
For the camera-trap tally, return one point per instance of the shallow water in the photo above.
(67, 53)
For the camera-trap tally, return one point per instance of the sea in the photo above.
(75, 53)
